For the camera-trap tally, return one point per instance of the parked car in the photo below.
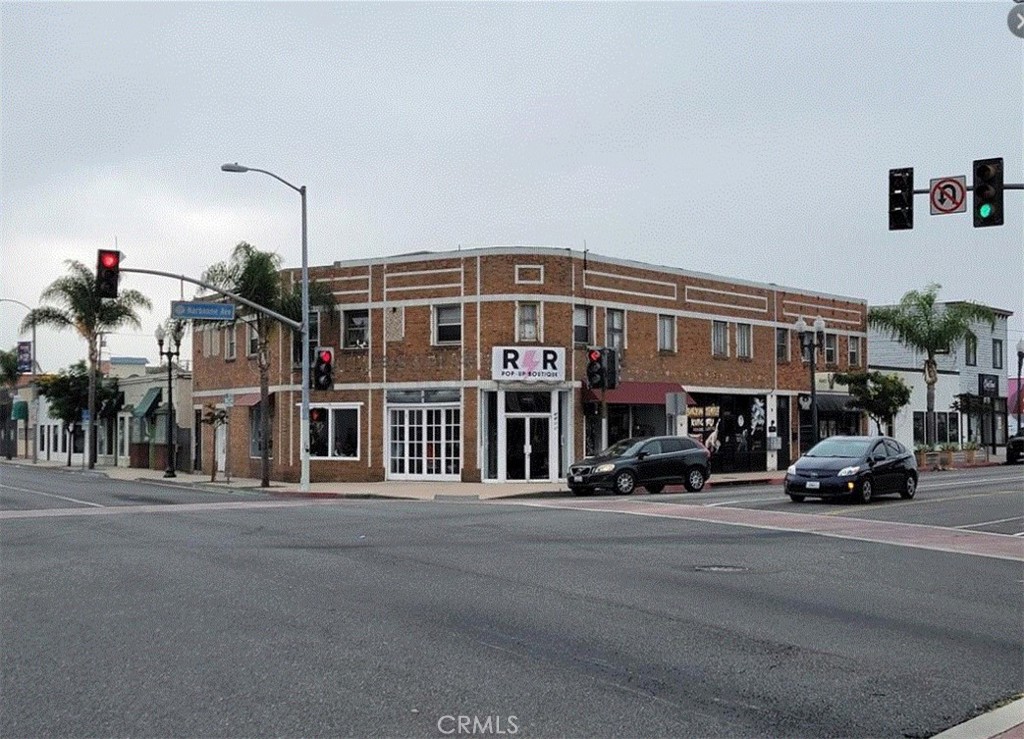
(651, 462)
(857, 466)
(1015, 449)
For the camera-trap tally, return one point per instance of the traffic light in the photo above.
(901, 199)
(323, 369)
(988, 192)
(108, 272)
(596, 376)
(611, 368)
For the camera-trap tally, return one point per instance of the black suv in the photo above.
(652, 462)
(1015, 449)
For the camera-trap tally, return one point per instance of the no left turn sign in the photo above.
(948, 195)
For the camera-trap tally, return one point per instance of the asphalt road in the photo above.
(132, 610)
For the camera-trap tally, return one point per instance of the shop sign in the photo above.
(533, 364)
(824, 381)
(988, 386)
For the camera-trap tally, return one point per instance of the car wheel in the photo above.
(695, 479)
(625, 482)
(866, 491)
(796, 498)
(910, 488)
(654, 489)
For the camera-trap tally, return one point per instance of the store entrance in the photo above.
(527, 440)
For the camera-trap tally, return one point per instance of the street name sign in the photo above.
(948, 195)
(194, 310)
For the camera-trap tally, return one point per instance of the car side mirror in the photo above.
(642, 455)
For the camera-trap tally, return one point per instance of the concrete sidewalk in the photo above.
(392, 489)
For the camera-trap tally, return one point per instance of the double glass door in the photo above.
(527, 447)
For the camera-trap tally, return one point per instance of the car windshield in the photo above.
(840, 448)
(619, 448)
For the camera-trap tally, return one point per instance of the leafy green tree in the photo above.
(256, 276)
(75, 305)
(8, 380)
(67, 394)
(920, 323)
(878, 395)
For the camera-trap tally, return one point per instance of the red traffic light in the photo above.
(109, 259)
(325, 355)
(594, 355)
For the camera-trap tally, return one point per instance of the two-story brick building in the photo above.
(469, 365)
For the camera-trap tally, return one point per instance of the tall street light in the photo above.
(304, 410)
(173, 350)
(811, 340)
(1020, 399)
(35, 385)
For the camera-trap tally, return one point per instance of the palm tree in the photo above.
(256, 276)
(927, 327)
(77, 306)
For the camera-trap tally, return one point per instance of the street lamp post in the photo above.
(304, 408)
(173, 350)
(1020, 361)
(811, 340)
(35, 385)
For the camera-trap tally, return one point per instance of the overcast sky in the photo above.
(746, 140)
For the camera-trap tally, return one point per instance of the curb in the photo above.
(1005, 721)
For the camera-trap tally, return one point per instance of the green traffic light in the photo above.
(985, 210)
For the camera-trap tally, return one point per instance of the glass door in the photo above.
(527, 453)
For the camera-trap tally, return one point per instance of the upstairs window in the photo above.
(971, 351)
(744, 340)
(616, 333)
(357, 329)
(855, 351)
(719, 339)
(528, 322)
(447, 324)
(831, 348)
(314, 339)
(583, 325)
(229, 342)
(997, 353)
(782, 344)
(666, 333)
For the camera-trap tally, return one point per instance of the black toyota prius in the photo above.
(857, 466)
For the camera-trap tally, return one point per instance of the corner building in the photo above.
(469, 365)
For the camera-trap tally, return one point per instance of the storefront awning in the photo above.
(833, 403)
(250, 399)
(638, 393)
(148, 402)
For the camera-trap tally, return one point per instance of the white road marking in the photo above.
(986, 523)
(53, 495)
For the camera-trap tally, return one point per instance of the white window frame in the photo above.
(722, 349)
(667, 333)
(971, 351)
(314, 337)
(831, 348)
(787, 345)
(345, 343)
(588, 316)
(331, 454)
(252, 339)
(744, 330)
(853, 351)
(436, 327)
(522, 333)
(997, 353)
(230, 342)
(611, 332)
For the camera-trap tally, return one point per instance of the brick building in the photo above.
(468, 365)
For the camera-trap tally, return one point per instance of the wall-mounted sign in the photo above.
(528, 364)
(988, 386)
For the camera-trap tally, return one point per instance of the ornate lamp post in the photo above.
(173, 350)
(811, 340)
(1020, 361)
(35, 377)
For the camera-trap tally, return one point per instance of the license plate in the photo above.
(813, 485)
(577, 478)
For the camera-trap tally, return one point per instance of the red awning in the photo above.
(638, 393)
(249, 399)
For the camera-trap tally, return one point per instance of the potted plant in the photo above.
(946, 452)
(927, 458)
(970, 451)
